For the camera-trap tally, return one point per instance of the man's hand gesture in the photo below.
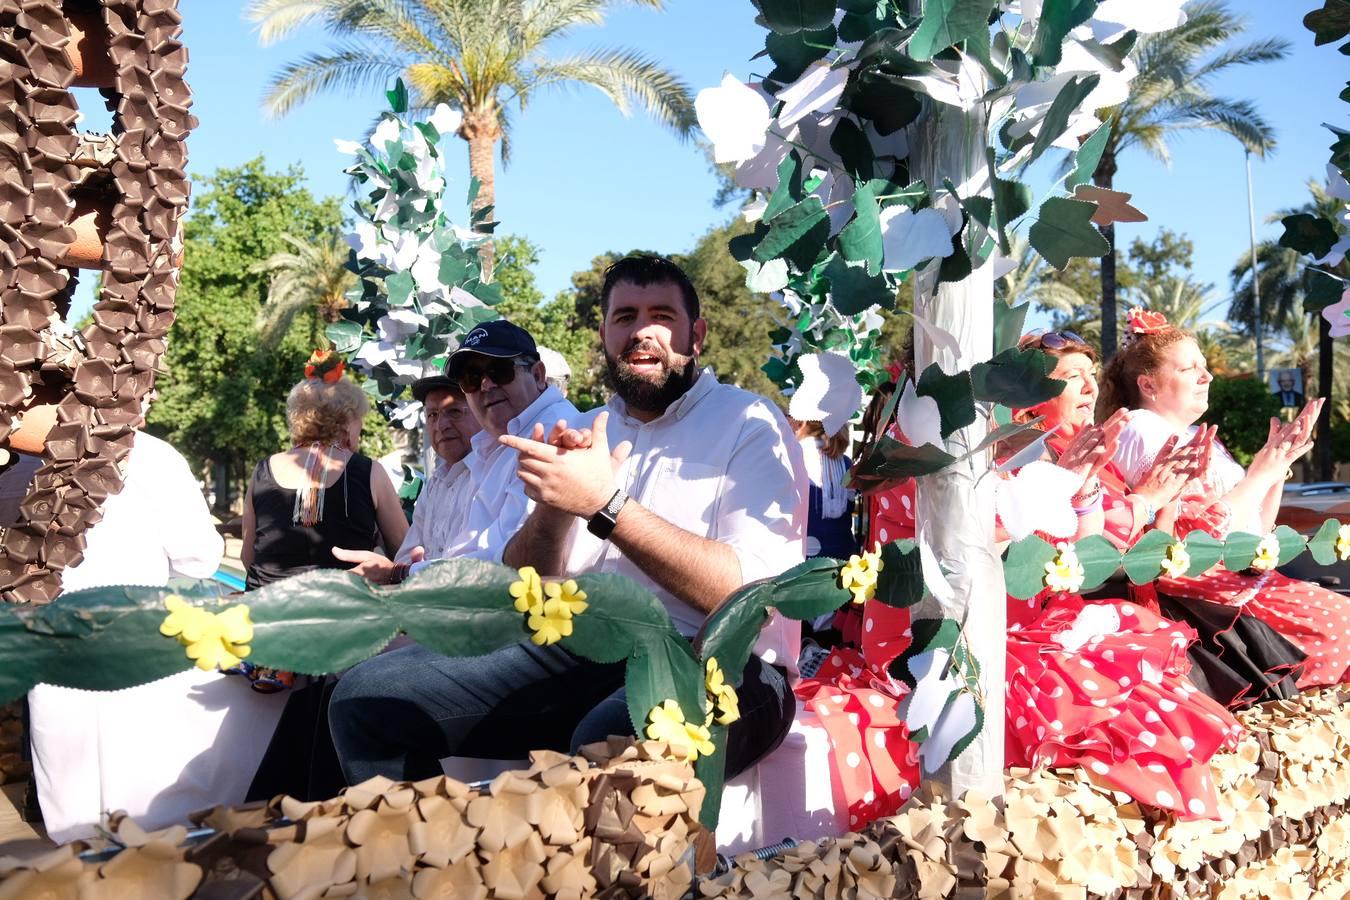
(573, 471)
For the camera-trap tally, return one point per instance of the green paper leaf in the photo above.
(731, 631)
(1205, 550)
(792, 53)
(1292, 543)
(711, 771)
(322, 621)
(656, 667)
(1024, 567)
(1143, 561)
(616, 618)
(1322, 290)
(1009, 323)
(1240, 550)
(1308, 234)
(852, 290)
(789, 16)
(854, 149)
(1058, 18)
(1099, 558)
(1018, 378)
(398, 97)
(925, 635)
(886, 101)
(810, 589)
(891, 462)
(900, 583)
(400, 287)
(1087, 157)
(346, 336)
(860, 241)
(1330, 23)
(790, 189)
(798, 233)
(946, 23)
(1012, 200)
(1056, 120)
(1323, 544)
(954, 394)
(1064, 230)
(1114, 54)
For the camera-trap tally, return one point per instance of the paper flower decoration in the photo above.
(919, 417)
(1144, 321)
(726, 706)
(1343, 543)
(1338, 316)
(908, 238)
(213, 640)
(326, 366)
(551, 623)
(819, 88)
(859, 574)
(1267, 554)
(528, 591)
(1177, 561)
(829, 392)
(1093, 620)
(687, 740)
(735, 117)
(1064, 573)
(1038, 498)
(566, 593)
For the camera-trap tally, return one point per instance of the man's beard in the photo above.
(678, 373)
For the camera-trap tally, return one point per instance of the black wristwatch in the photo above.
(602, 523)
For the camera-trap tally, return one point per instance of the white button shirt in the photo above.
(441, 513)
(498, 506)
(720, 463)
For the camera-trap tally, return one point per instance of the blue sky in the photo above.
(583, 179)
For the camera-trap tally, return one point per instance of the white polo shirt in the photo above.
(441, 513)
(720, 463)
(498, 505)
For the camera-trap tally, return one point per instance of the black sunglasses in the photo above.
(502, 372)
(1050, 340)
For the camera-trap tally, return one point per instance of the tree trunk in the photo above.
(482, 131)
(1326, 359)
(955, 508)
(1103, 178)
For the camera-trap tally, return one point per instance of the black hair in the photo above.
(642, 270)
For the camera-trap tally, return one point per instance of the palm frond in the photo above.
(621, 74)
(277, 19)
(350, 68)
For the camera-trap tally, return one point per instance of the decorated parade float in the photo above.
(888, 146)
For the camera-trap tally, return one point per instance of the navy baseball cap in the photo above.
(498, 338)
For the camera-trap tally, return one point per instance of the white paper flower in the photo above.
(754, 210)
(829, 392)
(373, 353)
(1093, 620)
(908, 238)
(1337, 186)
(760, 172)
(1143, 16)
(351, 148)
(735, 117)
(955, 724)
(818, 88)
(1338, 315)
(399, 324)
(934, 684)
(388, 130)
(364, 240)
(426, 271)
(1336, 254)
(407, 414)
(919, 417)
(446, 120)
(1038, 498)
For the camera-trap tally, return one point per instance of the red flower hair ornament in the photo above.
(326, 366)
(1143, 321)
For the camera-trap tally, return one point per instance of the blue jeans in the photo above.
(398, 714)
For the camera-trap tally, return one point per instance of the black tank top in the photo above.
(282, 548)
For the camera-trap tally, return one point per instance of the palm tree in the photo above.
(482, 57)
(1031, 278)
(308, 276)
(1171, 95)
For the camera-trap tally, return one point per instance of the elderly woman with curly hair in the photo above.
(321, 493)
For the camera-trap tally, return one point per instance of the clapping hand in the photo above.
(1175, 466)
(574, 470)
(1286, 443)
(1093, 447)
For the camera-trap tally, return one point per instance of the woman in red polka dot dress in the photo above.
(1161, 376)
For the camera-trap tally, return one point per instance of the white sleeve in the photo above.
(1141, 439)
(421, 512)
(761, 513)
(193, 546)
(490, 543)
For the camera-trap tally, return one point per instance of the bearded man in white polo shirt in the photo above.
(704, 491)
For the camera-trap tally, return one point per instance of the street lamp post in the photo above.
(1257, 313)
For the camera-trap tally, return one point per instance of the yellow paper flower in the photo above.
(569, 595)
(687, 740)
(551, 624)
(726, 705)
(213, 640)
(1064, 573)
(859, 574)
(1177, 561)
(528, 591)
(1343, 543)
(1267, 554)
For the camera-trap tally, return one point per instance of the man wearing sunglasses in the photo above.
(703, 491)
(493, 385)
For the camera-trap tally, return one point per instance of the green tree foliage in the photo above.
(223, 400)
(1242, 408)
